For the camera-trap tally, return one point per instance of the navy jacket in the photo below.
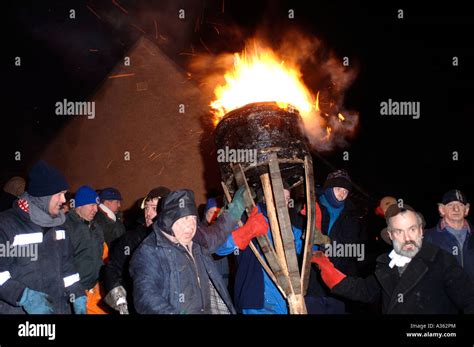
(166, 280)
(53, 272)
(445, 240)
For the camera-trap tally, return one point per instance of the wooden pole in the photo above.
(310, 223)
(272, 217)
(296, 300)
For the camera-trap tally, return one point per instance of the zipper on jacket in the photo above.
(197, 275)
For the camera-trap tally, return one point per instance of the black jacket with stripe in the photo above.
(48, 266)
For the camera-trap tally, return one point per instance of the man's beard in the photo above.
(398, 247)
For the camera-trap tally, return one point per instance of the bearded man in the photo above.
(416, 277)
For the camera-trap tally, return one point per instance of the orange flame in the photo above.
(328, 131)
(341, 117)
(258, 75)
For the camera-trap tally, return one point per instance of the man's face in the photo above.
(406, 234)
(150, 211)
(112, 205)
(340, 193)
(87, 212)
(55, 203)
(211, 214)
(455, 211)
(184, 229)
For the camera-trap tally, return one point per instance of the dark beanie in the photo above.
(176, 205)
(339, 178)
(45, 180)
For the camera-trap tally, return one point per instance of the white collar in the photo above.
(108, 212)
(397, 259)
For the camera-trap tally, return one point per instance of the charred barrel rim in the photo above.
(267, 128)
(260, 106)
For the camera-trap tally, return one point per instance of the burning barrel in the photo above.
(262, 144)
(262, 130)
(274, 137)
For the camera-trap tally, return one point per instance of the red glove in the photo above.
(331, 276)
(256, 226)
(303, 211)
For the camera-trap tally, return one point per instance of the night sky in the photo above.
(407, 59)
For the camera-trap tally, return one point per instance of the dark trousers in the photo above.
(324, 305)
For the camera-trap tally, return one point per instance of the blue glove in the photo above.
(34, 302)
(80, 305)
(237, 206)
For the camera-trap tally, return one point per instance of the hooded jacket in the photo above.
(170, 279)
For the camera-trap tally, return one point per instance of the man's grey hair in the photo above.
(397, 210)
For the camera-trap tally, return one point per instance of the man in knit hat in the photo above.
(109, 216)
(454, 233)
(88, 241)
(37, 272)
(341, 223)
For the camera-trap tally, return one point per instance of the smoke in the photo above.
(323, 73)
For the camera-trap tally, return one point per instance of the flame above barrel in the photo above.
(259, 75)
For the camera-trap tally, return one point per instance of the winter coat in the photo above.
(87, 240)
(50, 271)
(167, 280)
(432, 283)
(254, 290)
(116, 271)
(445, 240)
(112, 229)
(345, 230)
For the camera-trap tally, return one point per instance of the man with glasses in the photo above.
(416, 277)
(453, 233)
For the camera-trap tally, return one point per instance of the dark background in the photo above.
(405, 60)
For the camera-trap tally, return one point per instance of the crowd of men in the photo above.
(65, 254)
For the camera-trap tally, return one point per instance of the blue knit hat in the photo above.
(211, 202)
(110, 194)
(85, 196)
(45, 180)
